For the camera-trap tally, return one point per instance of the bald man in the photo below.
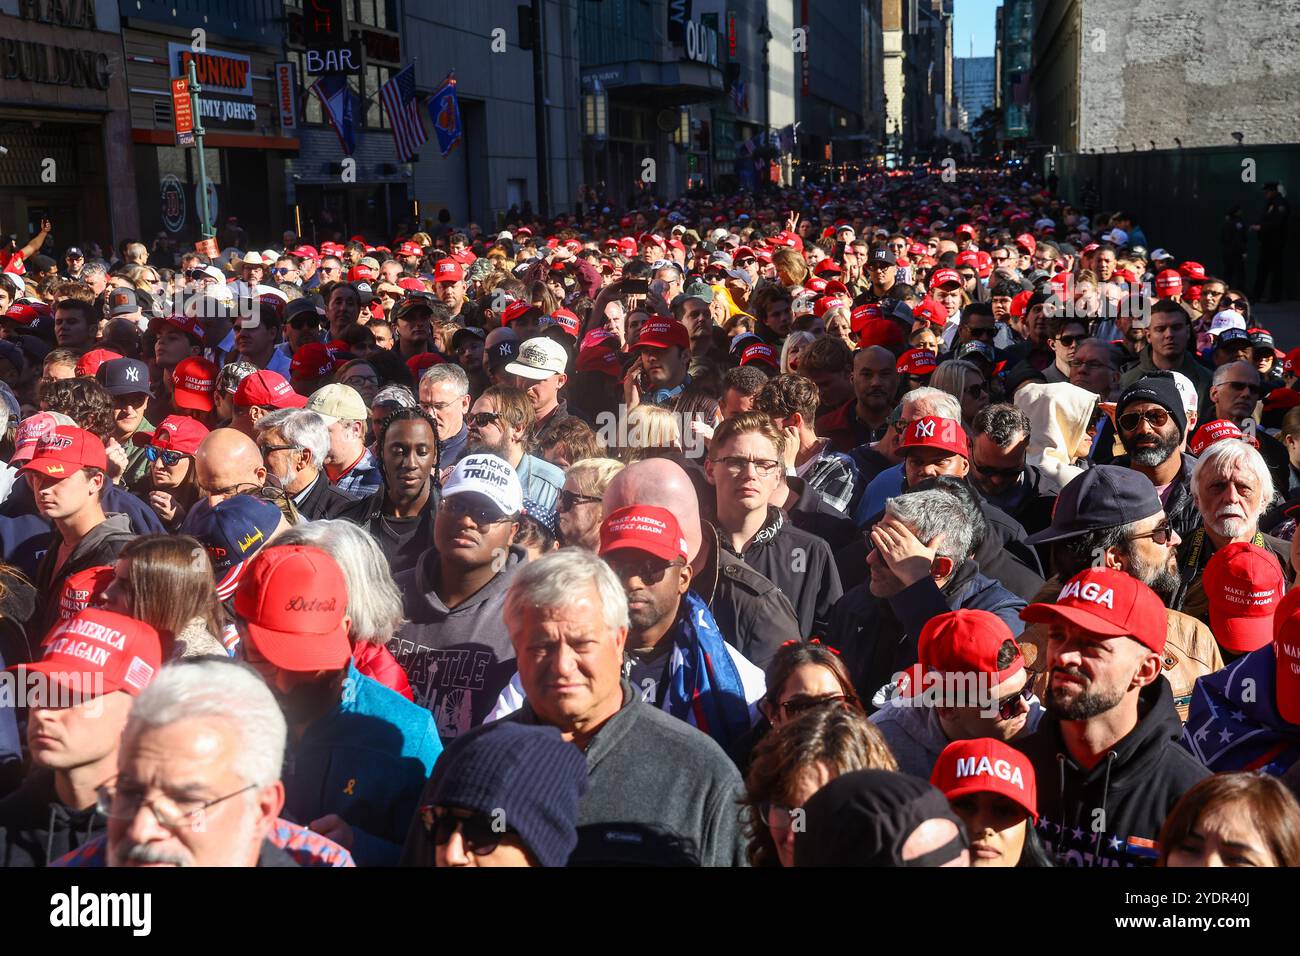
(862, 420)
(227, 463)
(752, 613)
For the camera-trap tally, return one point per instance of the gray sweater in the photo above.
(661, 793)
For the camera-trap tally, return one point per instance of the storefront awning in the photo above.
(664, 84)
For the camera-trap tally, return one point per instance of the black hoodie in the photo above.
(1127, 795)
(36, 828)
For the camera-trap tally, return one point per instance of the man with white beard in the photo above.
(1232, 487)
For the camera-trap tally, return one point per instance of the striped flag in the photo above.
(340, 106)
(398, 97)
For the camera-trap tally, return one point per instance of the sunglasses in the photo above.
(1238, 304)
(1008, 473)
(1244, 387)
(1009, 707)
(1161, 534)
(300, 322)
(170, 458)
(989, 333)
(476, 831)
(281, 272)
(979, 388)
(647, 570)
(482, 419)
(481, 515)
(1155, 417)
(1069, 341)
(802, 703)
(568, 500)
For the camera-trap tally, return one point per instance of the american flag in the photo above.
(398, 97)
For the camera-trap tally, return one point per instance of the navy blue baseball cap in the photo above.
(123, 376)
(543, 515)
(1104, 496)
(233, 532)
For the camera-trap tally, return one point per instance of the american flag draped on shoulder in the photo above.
(340, 106)
(444, 110)
(398, 97)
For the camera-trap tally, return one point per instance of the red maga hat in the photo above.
(96, 649)
(1244, 585)
(916, 362)
(1107, 603)
(267, 388)
(987, 765)
(66, 449)
(1212, 432)
(176, 433)
(643, 528)
(663, 334)
(194, 380)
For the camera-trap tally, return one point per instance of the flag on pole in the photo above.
(398, 97)
(340, 105)
(444, 110)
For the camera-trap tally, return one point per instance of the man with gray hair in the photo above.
(1232, 487)
(444, 394)
(212, 732)
(921, 566)
(294, 444)
(660, 792)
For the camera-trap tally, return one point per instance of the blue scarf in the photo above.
(704, 687)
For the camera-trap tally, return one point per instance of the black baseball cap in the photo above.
(504, 352)
(1104, 496)
(1232, 338)
(883, 256)
(123, 376)
(123, 302)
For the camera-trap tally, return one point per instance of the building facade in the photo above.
(64, 123)
(972, 88)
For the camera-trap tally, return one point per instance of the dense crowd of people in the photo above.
(894, 522)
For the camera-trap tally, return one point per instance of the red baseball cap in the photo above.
(568, 321)
(95, 646)
(663, 334)
(89, 363)
(1244, 585)
(600, 357)
(306, 252)
(916, 362)
(1020, 302)
(64, 450)
(448, 270)
(966, 228)
(825, 267)
(28, 313)
(293, 600)
(884, 332)
(80, 589)
(425, 360)
(985, 264)
(969, 258)
(759, 352)
(1212, 432)
(411, 284)
(1286, 648)
(194, 380)
(1168, 282)
(1290, 359)
(1107, 603)
(860, 315)
(189, 324)
(176, 433)
(267, 388)
(31, 430)
(935, 432)
(828, 302)
(815, 284)
(313, 360)
(361, 273)
(1027, 241)
(643, 528)
(986, 765)
(1281, 398)
(967, 642)
(409, 249)
(932, 311)
(1193, 272)
(942, 277)
(519, 309)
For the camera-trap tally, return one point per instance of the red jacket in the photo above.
(375, 662)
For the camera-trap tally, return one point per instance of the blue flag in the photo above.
(340, 105)
(444, 110)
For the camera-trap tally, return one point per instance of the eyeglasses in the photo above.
(568, 500)
(1237, 304)
(800, 703)
(1161, 534)
(300, 322)
(118, 803)
(482, 419)
(1155, 417)
(481, 515)
(170, 458)
(282, 272)
(1069, 341)
(647, 570)
(476, 831)
(735, 465)
(1009, 706)
(1244, 387)
(1008, 473)
(982, 333)
(1091, 366)
(356, 381)
(977, 389)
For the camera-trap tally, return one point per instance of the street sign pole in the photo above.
(205, 229)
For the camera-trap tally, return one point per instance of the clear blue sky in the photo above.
(977, 17)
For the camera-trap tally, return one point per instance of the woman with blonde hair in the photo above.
(650, 430)
(965, 382)
(796, 343)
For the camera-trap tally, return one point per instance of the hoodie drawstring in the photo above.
(1105, 792)
(49, 839)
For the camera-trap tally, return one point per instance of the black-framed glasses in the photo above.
(481, 515)
(1237, 304)
(1162, 533)
(119, 803)
(300, 322)
(1007, 473)
(1069, 341)
(170, 458)
(238, 488)
(801, 703)
(986, 333)
(567, 500)
(648, 570)
(1090, 366)
(476, 830)
(482, 419)
(737, 465)
(1009, 706)
(1155, 417)
(1244, 387)
(267, 449)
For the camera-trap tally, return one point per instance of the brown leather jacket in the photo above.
(1190, 651)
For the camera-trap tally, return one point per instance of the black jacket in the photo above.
(801, 565)
(752, 613)
(36, 828)
(100, 547)
(1128, 794)
(401, 551)
(323, 500)
(1180, 508)
(1030, 503)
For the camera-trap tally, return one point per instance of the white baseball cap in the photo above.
(1160, 255)
(1187, 392)
(717, 235)
(539, 358)
(1227, 319)
(488, 476)
(1116, 237)
(337, 402)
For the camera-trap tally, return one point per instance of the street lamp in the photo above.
(595, 113)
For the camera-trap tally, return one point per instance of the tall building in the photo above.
(972, 88)
(1015, 52)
